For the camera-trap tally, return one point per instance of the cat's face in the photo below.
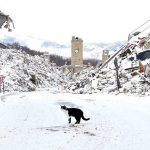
(63, 107)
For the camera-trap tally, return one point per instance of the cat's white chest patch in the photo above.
(65, 112)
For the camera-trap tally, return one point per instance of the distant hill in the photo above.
(91, 50)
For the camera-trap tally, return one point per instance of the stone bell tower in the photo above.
(105, 55)
(76, 52)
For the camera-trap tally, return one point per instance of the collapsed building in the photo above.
(125, 71)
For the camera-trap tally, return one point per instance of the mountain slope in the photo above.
(91, 50)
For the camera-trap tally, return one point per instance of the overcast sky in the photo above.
(92, 20)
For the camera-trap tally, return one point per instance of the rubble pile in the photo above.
(133, 72)
(130, 74)
(23, 72)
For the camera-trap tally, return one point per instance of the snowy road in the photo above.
(34, 121)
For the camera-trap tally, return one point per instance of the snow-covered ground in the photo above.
(34, 121)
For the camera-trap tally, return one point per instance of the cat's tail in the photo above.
(86, 119)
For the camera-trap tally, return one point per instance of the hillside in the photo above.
(91, 50)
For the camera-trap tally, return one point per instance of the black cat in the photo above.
(75, 112)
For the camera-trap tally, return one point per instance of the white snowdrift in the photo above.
(34, 121)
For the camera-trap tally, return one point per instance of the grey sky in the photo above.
(92, 20)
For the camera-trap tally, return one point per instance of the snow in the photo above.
(35, 121)
(30, 114)
(24, 72)
(19, 69)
